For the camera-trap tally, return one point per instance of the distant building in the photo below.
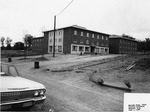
(122, 45)
(37, 45)
(75, 39)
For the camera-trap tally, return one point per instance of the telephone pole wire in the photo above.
(55, 26)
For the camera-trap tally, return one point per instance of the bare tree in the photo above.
(28, 40)
(8, 43)
(2, 41)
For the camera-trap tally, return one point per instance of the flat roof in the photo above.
(121, 37)
(78, 27)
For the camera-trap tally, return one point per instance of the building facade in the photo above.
(75, 39)
(37, 45)
(122, 45)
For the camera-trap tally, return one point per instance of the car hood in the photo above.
(18, 84)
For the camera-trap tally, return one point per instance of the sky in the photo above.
(20, 17)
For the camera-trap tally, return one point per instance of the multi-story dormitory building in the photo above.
(122, 45)
(74, 40)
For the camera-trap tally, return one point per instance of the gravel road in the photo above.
(71, 91)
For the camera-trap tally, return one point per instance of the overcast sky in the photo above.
(131, 17)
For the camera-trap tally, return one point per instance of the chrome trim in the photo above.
(33, 99)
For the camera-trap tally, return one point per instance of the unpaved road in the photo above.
(71, 91)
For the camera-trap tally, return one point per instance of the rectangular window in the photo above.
(87, 49)
(50, 40)
(102, 37)
(75, 40)
(87, 34)
(50, 48)
(92, 35)
(80, 48)
(75, 32)
(97, 36)
(59, 48)
(87, 41)
(97, 43)
(60, 33)
(106, 38)
(74, 48)
(60, 40)
(81, 41)
(81, 33)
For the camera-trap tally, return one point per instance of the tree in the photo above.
(8, 43)
(2, 42)
(28, 41)
(144, 45)
(19, 46)
(147, 44)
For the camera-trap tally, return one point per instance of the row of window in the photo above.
(57, 48)
(88, 35)
(56, 33)
(78, 48)
(87, 42)
(37, 40)
(126, 52)
(127, 42)
(56, 40)
(128, 47)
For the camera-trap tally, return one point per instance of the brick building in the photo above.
(37, 45)
(122, 45)
(75, 39)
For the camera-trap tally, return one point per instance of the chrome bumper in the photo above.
(8, 105)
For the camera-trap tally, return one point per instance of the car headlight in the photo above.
(36, 93)
(42, 92)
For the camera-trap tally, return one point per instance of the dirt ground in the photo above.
(66, 78)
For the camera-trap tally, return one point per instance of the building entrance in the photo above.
(92, 49)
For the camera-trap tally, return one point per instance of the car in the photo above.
(18, 92)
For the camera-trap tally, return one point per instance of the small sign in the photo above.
(136, 102)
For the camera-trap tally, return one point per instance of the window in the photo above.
(75, 32)
(102, 37)
(50, 48)
(74, 48)
(60, 40)
(51, 33)
(97, 43)
(60, 33)
(106, 38)
(59, 48)
(81, 41)
(80, 48)
(87, 41)
(87, 49)
(81, 33)
(87, 34)
(92, 35)
(92, 42)
(97, 36)
(75, 40)
(50, 40)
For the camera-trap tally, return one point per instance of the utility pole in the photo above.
(54, 36)
(55, 27)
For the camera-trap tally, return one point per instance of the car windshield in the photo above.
(8, 70)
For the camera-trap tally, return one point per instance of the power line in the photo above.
(65, 8)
